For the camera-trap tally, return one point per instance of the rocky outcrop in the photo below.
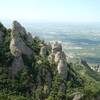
(62, 69)
(43, 51)
(56, 47)
(60, 56)
(19, 46)
(1, 36)
(51, 57)
(17, 30)
(17, 65)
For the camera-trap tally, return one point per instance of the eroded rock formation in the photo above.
(60, 56)
(51, 57)
(18, 46)
(56, 47)
(62, 69)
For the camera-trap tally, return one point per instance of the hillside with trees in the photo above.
(31, 69)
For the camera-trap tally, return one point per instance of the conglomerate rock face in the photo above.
(56, 47)
(18, 46)
(60, 56)
(62, 69)
(17, 65)
(17, 29)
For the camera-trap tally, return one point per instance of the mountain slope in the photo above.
(31, 69)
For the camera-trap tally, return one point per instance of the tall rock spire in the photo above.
(18, 46)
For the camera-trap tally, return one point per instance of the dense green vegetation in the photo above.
(32, 83)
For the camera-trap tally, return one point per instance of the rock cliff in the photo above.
(19, 46)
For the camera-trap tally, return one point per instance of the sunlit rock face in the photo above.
(43, 51)
(19, 46)
(62, 69)
(1, 36)
(56, 47)
(60, 56)
(18, 39)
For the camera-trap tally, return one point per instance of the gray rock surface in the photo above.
(56, 47)
(62, 69)
(17, 45)
(51, 57)
(17, 65)
(60, 56)
(17, 30)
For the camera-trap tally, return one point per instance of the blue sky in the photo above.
(50, 10)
